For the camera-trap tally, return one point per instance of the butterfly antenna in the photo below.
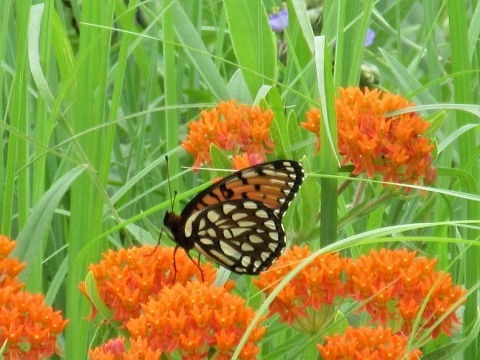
(170, 193)
(172, 200)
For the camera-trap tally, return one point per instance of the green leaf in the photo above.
(30, 238)
(253, 41)
(198, 53)
(219, 159)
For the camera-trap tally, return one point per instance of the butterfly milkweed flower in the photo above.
(393, 146)
(309, 301)
(127, 278)
(393, 285)
(366, 343)
(189, 317)
(239, 129)
(196, 319)
(396, 288)
(28, 327)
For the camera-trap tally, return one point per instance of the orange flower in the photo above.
(28, 328)
(389, 285)
(398, 279)
(366, 343)
(243, 161)
(127, 279)
(236, 128)
(195, 319)
(9, 268)
(393, 146)
(258, 131)
(316, 286)
(197, 144)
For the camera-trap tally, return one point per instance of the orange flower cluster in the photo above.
(393, 146)
(237, 128)
(390, 285)
(192, 318)
(127, 278)
(398, 279)
(29, 328)
(365, 343)
(317, 285)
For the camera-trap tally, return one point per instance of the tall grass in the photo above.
(87, 119)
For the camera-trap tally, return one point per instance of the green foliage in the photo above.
(87, 119)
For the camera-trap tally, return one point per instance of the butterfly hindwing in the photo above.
(242, 235)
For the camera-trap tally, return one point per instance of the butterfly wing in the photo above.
(236, 222)
(241, 235)
(274, 183)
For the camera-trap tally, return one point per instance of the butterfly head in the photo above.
(172, 221)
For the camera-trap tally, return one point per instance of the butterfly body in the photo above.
(236, 222)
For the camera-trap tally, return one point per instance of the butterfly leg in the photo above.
(199, 268)
(197, 263)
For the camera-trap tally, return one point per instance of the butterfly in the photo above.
(236, 222)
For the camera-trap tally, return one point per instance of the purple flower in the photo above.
(279, 21)
(369, 38)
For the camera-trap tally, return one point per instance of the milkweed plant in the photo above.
(115, 113)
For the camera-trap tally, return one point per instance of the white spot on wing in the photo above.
(211, 232)
(270, 172)
(273, 235)
(222, 258)
(206, 241)
(239, 231)
(189, 222)
(229, 251)
(213, 216)
(239, 216)
(270, 224)
(255, 239)
(250, 205)
(261, 214)
(227, 208)
(246, 224)
(273, 246)
(246, 260)
(247, 247)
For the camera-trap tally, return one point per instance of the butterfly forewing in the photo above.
(236, 222)
(241, 235)
(274, 184)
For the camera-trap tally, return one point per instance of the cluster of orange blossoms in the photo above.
(392, 286)
(29, 328)
(237, 128)
(393, 146)
(189, 317)
(365, 343)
